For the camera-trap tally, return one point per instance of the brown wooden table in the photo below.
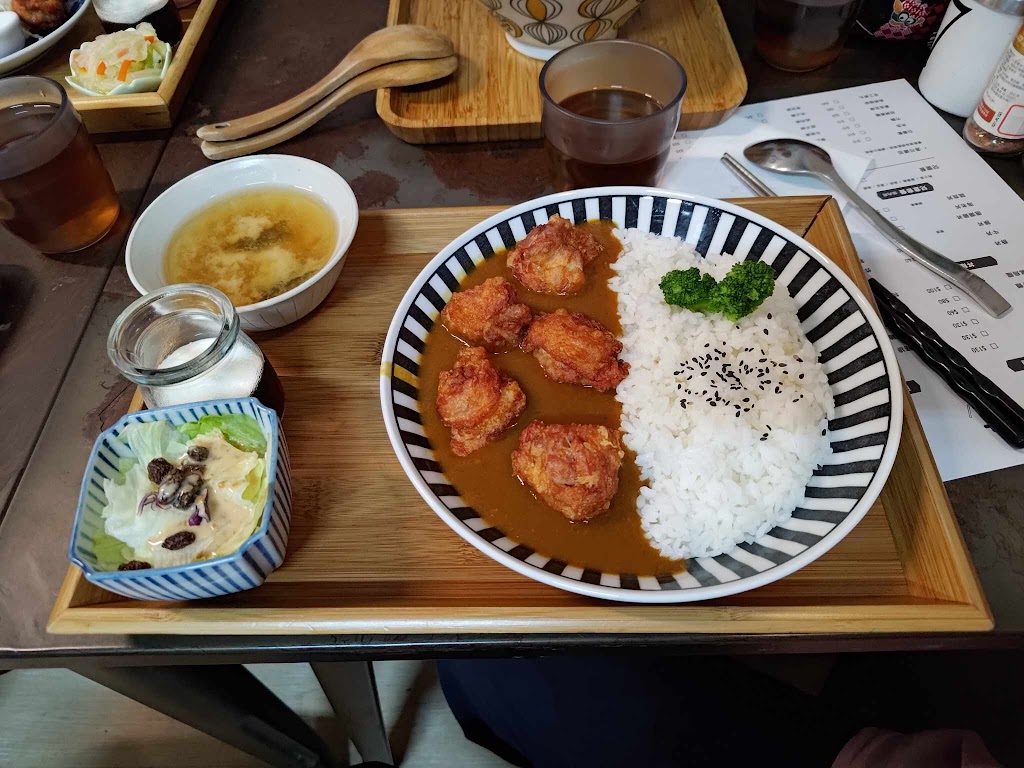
(57, 389)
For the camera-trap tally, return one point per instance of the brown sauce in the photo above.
(613, 542)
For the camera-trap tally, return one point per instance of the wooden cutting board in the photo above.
(494, 95)
(367, 555)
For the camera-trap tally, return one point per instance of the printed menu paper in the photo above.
(892, 146)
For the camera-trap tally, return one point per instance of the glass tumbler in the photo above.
(182, 344)
(609, 110)
(801, 35)
(55, 193)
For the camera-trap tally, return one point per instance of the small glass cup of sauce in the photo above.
(182, 344)
(610, 108)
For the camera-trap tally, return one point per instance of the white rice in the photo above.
(714, 479)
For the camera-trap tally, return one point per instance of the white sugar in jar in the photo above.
(182, 344)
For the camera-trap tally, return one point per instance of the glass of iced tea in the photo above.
(801, 35)
(610, 108)
(55, 193)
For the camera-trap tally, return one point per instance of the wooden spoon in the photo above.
(391, 44)
(388, 76)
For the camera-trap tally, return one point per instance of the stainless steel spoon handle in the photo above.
(968, 282)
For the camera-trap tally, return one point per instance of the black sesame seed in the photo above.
(769, 315)
(713, 403)
(765, 331)
(707, 345)
(769, 427)
(800, 376)
(746, 399)
(763, 438)
(797, 359)
(796, 399)
(822, 432)
(778, 390)
(737, 414)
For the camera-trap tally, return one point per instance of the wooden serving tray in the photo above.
(494, 95)
(135, 111)
(367, 555)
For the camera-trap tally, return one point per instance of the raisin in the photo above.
(198, 453)
(187, 491)
(134, 565)
(158, 469)
(179, 540)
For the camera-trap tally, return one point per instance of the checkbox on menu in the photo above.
(984, 333)
(948, 287)
(956, 298)
(993, 345)
(975, 321)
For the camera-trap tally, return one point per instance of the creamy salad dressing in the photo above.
(232, 518)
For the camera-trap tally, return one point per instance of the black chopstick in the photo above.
(1000, 411)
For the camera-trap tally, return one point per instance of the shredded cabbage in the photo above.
(121, 57)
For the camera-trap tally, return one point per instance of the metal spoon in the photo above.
(804, 159)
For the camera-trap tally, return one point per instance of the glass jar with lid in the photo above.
(182, 344)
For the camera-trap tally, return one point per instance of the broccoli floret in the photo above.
(739, 293)
(690, 289)
(744, 289)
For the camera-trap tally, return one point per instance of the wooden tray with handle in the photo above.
(494, 95)
(367, 555)
(135, 111)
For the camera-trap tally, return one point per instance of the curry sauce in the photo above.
(614, 541)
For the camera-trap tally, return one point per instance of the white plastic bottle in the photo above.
(966, 48)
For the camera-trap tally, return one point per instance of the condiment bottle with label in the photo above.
(997, 125)
(182, 344)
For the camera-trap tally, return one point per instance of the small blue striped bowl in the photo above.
(246, 568)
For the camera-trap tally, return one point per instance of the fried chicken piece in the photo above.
(575, 349)
(488, 315)
(573, 468)
(552, 258)
(40, 16)
(477, 401)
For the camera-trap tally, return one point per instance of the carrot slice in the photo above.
(101, 70)
(123, 52)
(150, 38)
(122, 74)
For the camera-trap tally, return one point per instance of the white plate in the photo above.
(860, 364)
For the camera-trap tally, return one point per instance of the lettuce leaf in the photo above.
(154, 439)
(243, 432)
(110, 552)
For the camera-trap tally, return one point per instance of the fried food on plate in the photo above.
(40, 16)
(573, 468)
(553, 256)
(573, 348)
(477, 401)
(489, 315)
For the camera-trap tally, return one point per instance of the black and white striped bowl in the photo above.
(852, 346)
